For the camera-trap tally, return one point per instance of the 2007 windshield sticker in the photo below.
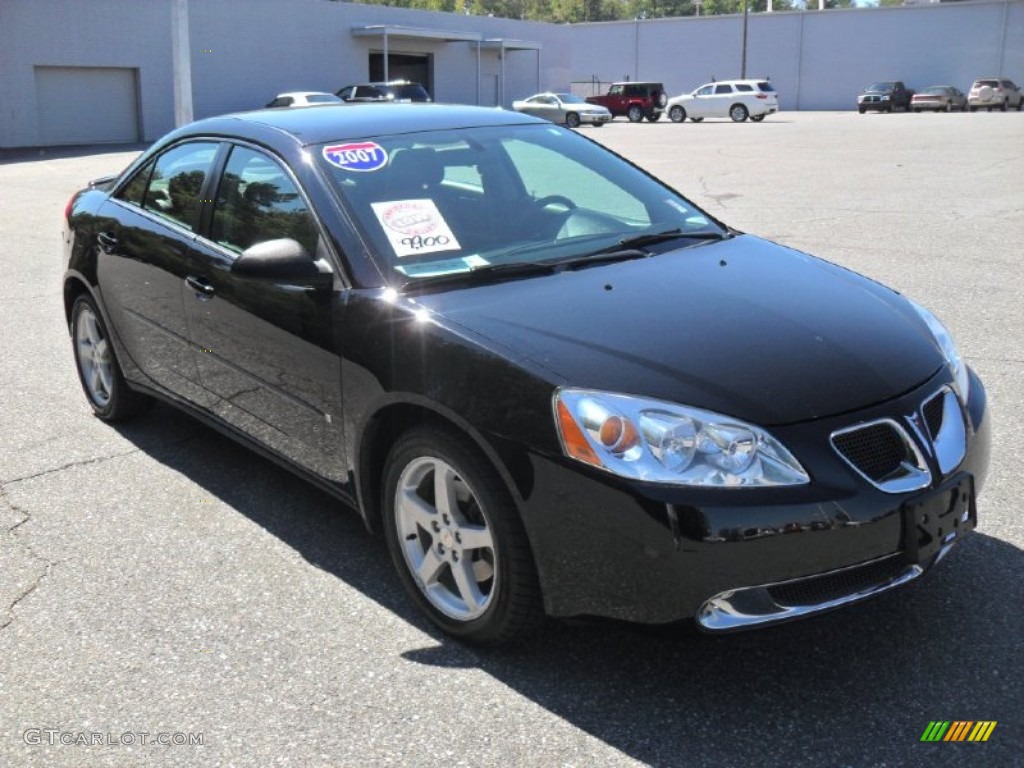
(358, 156)
(414, 227)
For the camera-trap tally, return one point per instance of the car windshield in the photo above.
(322, 98)
(766, 87)
(447, 202)
(934, 92)
(989, 83)
(570, 98)
(880, 87)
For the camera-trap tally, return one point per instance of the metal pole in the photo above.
(181, 63)
(478, 73)
(743, 65)
(386, 78)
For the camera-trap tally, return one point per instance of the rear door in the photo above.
(146, 237)
(266, 349)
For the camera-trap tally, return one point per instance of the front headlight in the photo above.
(948, 348)
(667, 443)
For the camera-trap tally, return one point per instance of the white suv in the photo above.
(736, 99)
(994, 93)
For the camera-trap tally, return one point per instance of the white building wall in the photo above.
(816, 59)
(243, 52)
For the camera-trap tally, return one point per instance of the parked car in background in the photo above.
(994, 93)
(635, 100)
(565, 108)
(940, 98)
(885, 96)
(735, 99)
(553, 382)
(302, 99)
(393, 90)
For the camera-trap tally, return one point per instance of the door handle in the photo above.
(202, 288)
(108, 243)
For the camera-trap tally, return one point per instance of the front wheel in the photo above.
(98, 369)
(676, 114)
(654, 116)
(635, 113)
(572, 120)
(456, 538)
(738, 113)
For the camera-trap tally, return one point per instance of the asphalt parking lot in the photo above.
(158, 579)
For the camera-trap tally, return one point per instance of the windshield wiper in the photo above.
(482, 272)
(652, 238)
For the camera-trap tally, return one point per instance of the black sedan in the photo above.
(555, 384)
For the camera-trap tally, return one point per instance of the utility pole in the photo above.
(181, 63)
(743, 65)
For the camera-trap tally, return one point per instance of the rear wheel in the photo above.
(456, 538)
(676, 113)
(757, 118)
(973, 108)
(635, 113)
(98, 369)
(654, 117)
(738, 113)
(696, 119)
(572, 120)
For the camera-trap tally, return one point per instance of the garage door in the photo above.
(86, 105)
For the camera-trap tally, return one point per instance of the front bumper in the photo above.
(590, 119)
(875, 104)
(736, 558)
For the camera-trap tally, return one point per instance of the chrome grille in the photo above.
(932, 412)
(883, 453)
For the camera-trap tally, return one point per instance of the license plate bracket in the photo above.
(937, 518)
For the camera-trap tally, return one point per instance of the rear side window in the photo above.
(744, 88)
(989, 83)
(257, 201)
(135, 190)
(174, 187)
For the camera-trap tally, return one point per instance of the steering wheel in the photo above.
(544, 202)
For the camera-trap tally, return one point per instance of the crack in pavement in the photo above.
(69, 465)
(7, 618)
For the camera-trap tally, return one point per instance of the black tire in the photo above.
(503, 603)
(676, 114)
(598, 124)
(918, 111)
(972, 108)
(758, 118)
(662, 99)
(572, 120)
(861, 110)
(654, 117)
(99, 371)
(696, 119)
(635, 113)
(1002, 107)
(738, 113)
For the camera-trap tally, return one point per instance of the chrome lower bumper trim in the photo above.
(750, 607)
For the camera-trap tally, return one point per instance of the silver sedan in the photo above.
(563, 108)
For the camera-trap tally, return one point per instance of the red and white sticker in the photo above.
(414, 227)
(361, 156)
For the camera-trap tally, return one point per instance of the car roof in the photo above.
(330, 122)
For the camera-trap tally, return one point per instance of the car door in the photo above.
(146, 239)
(720, 100)
(700, 104)
(265, 345)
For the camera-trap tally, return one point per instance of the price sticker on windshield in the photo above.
(414, 227)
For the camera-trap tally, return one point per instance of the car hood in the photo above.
(742, 327)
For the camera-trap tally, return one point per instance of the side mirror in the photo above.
(283, 261)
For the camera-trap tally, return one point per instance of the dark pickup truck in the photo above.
(885, 97)
(634, 100)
